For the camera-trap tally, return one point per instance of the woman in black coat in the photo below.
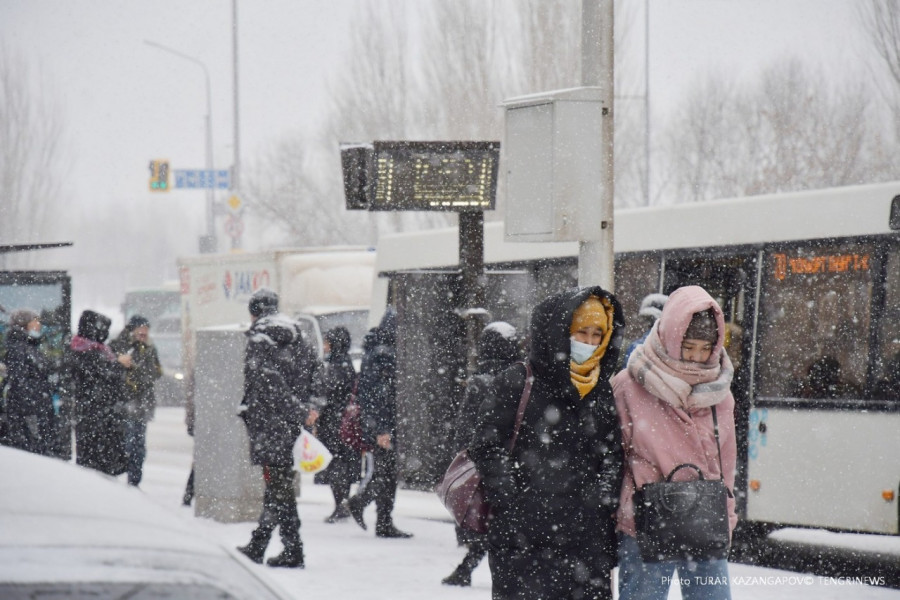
(333, 384)
(96, 378)
(29, 395)
(555, 495)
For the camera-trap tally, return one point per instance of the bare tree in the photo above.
(880, 20)
(31, 160)
(787, 130)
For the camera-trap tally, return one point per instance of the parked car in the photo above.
(71, 532)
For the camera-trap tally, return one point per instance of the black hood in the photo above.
(94, 326)
(550, 321)
(339, 339)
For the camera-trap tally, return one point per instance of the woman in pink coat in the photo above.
(664, 398)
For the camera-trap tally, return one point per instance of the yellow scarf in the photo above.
(585, 375)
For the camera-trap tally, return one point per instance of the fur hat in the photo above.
(652, 305)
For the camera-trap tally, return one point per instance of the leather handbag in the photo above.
(683, 520)
(461, 491)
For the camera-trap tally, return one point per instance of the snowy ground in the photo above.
(343, 561)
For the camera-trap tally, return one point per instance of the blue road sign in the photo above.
(202, 179)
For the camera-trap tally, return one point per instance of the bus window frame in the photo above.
(881, 246)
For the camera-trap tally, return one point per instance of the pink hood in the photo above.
(677, 315)
(658, 436)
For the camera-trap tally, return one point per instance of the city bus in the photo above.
(810, 286)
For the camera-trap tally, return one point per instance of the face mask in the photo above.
(34, 334)
(579, 351)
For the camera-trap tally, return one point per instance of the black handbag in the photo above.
(683, 520)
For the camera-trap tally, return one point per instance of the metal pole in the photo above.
(595, 258)
(210, 200)
(647, 102)
(236, 173)
(471, 266)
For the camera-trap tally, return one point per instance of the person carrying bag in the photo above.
(676, 414)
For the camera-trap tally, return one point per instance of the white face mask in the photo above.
(579, 351)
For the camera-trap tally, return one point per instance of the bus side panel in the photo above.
(824, 468)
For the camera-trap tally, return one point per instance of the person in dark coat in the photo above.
(376, 394)
(95, 379)
(29, 396)
(555, 495)
(333, 384)
(498, 348)
(274, 416)
(138, 392)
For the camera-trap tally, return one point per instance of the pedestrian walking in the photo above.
(274, 416)
(333, 385)
(498, 348)
(376, 394)
(675, 405)
(554, 495)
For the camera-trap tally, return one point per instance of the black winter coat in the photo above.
(377, 390)
(332, 384)
(29, 391)
(558, 489)
(95, 380)
(273, 414)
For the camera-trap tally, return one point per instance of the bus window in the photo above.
(887, 376)
(636, 276)
(814, 321)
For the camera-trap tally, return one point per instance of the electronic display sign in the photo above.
(442, 176)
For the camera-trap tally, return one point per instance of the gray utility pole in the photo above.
(236, 170)
(210, 244)
(595, 258)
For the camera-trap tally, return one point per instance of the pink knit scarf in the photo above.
(685, 385)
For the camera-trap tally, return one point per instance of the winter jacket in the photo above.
(332, 385)
(377, 392)
(656, 435)
(554, 495)
(272, 413)
(29, 391)
(140, 400)
(94, 382)
(29, 394)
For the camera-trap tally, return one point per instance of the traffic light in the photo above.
(159, 176)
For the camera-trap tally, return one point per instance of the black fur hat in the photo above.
(94, 326)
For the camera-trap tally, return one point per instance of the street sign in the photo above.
(202, 179)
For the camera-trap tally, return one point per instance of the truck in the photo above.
(321, 287)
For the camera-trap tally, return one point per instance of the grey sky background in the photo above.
(124, 103)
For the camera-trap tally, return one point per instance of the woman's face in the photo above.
(33, 325)
(589, 335)
(697, 351)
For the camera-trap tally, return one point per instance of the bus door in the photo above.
(731, 280)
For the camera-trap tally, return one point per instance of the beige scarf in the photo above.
(685, 385)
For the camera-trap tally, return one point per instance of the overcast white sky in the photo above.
(125, 103)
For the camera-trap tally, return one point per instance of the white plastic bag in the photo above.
(310, 455)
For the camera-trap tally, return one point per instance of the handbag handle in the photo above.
(685, 465)
(523, 402)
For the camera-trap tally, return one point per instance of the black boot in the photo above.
(256, 549)
(254, 552)
(356, 510)
(340, 513)
(461, 576)
(289, 558)
(388, 530)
